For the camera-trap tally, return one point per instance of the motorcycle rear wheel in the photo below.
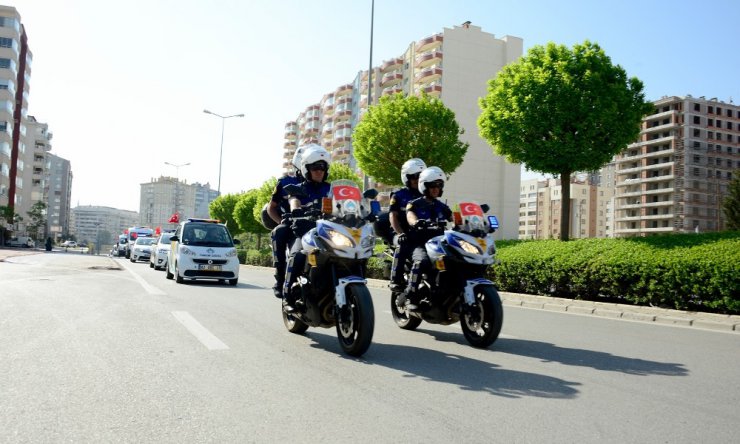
(356, 334)
(484, 331)
(293, 324)
(403, 320)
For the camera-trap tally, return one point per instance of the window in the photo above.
(697, 107)
(710, 122)
(697, 132)
(697, 120)
(710, 134)
(729, 125)
(710, 109)
(6, 42)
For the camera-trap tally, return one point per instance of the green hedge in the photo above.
(687, 271)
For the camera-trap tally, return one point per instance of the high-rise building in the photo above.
(454, 66)
(32, 177)
(15, 70)
(674, 179)
(59, 196)
(540, 204)
(96, 224)
(165, 196)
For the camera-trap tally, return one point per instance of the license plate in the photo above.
(209, 267)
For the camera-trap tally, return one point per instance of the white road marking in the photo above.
(201, 333)
(147, 287)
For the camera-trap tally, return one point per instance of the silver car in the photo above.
(158, 259)
(142, 249)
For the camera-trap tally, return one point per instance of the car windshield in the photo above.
(145, 241)
(165, 239)
(206, 235)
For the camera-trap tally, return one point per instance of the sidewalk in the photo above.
(88, 260)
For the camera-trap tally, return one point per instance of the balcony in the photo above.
(428, 59)
(392, 90)
(433, 90)
(291, 135)
(340, 153)
(391, 79)
(429, 43)
(428, 75)
(287, 165)
(343, 90)
(343, 100)
(342, 115)
(391, 65)
(665, 127)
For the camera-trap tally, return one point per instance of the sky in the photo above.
(123, 85)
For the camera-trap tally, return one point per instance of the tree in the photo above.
(245, 216)
(341, 171)
(264, 195)
(560, 111)
(222, 208)
(400, 128)
(731, 204)
(37, 214)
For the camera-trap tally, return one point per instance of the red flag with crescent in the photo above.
(175, 218)
(345, 192)
(470, 209)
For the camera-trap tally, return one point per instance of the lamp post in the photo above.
(177, 181)
(221, 152)
(365, 178)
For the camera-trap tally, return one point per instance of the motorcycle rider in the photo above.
(410, 171)
(421, 214)
(277, 210)
(315, 169)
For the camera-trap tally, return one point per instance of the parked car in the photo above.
(203, 249)
(69, 244)
(120, 247)
(22, 241)
(142, 249)
(158, 260)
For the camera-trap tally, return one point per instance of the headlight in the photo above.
(187, 251)
(339, 239)
(231, 253)
(468, 247)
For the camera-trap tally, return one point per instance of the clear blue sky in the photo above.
(123, 85)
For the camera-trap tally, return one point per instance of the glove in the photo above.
(301, 227)
(298, 212)
(401, 238)
(421, 223)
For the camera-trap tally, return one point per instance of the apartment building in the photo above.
(164, 196)
(59, 197)
(98, 224)
(454, 66)
(675, 177)
(540, 204)
(15, 70)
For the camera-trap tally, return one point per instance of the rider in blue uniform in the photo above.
(422, 213)
(278, 209)
(315, 168)
(397, 216)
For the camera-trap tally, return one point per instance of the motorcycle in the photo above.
(332, 291)
(456, 289)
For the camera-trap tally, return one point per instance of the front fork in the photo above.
(470, 306)
(340, 296)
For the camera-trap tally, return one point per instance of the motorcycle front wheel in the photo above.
(356, 321)
(482, 327)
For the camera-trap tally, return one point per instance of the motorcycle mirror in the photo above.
(457, 218)
(485, 208)
(371, 194)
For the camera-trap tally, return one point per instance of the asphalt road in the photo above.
(94, 349)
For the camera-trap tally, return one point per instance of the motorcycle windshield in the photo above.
(472, 217)
(346, 199)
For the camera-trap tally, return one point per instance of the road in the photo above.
(95, 349)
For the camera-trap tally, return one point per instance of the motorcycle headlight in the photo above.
(468, 247)
(339, 239)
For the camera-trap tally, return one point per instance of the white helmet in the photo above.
(411, 166)
(299, 153)
(314, 154)
(429, 175)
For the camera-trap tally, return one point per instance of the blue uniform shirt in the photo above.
(399, 200)
(434, 211)
(279, 196)
(314, 191)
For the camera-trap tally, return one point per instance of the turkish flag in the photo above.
(125, 231)
(345, 192)
(470, 209)
(158, 231)
(175, 218)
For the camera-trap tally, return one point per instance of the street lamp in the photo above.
(221, 152)
(177, 180)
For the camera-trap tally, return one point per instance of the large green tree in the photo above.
(731, 204)
(400, 128)
(341, 171)
(222, 208)
(37, 225)
(559, 111)
(244, 213)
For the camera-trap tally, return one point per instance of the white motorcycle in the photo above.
(331, 289)
(456, 289)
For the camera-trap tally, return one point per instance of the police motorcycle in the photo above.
(332, 290)
(456, 289)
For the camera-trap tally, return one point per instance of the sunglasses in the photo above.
(435, 185)
(412, 176)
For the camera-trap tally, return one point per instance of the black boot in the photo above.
(405, 299)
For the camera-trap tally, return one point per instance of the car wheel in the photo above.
(168, 274)
(178, 278)
(233, 282)
(151, 264)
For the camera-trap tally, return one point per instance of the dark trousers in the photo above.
(282, 237)
(296, 264)
(422, 264)
(400, 256)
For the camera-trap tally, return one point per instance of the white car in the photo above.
(158, 260)
(69, 244)
(203, 249)
(142, 248)
(22, 241)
